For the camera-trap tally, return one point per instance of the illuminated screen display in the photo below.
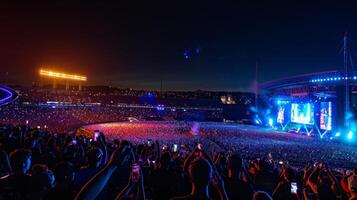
(302, 113)
(326, 116)
(281, 112)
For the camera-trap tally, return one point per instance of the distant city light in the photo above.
(54, 74)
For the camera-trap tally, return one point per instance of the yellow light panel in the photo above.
(53, 74)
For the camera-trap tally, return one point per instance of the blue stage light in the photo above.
(270, 121)
(350, 135)
(355, 77)
(338, 134)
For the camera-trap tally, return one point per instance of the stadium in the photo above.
(178, 100)
(295, 124)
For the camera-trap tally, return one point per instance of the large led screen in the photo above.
(281, 112)
(326, 116)
(302, 113)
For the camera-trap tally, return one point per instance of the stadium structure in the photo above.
(319, 103)
(7, 95)
(58, 76)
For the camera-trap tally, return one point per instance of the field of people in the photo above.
(249, 141)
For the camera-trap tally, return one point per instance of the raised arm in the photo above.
(133, 184)
(310, 180)
(95, 185)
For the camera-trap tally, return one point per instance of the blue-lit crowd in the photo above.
(39, 164)
(44, 156)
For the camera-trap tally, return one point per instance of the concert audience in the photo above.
(44, 165)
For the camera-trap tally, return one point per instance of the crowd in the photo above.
(109, 95)
(38, 164)
(45, 155)
(64, 118)
(250, 141)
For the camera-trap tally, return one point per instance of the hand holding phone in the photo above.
(149, 143)
(175, 148)
(199, 146)
(135, 173)
(96, 135)
(293, 188)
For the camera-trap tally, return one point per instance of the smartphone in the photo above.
(199, 146)
(281, 162)
(315, 164)
(74, 141)
(293, 188)
(175, 147)
(348, 172)
(96, 135)
(149, 142)
(135, 170)
(164, 147)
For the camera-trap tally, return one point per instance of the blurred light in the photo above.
(338, 134)
(270, 121)
(160, 107)
(62, 75)
(350, 135)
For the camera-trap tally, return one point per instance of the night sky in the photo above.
(137, 45)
